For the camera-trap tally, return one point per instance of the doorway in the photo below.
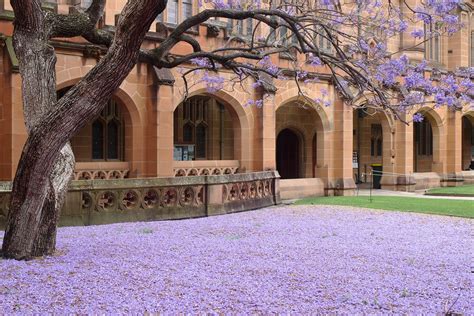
(288, 154)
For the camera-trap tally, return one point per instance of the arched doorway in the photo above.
(288, 154)
(309, 125)
(467, 142)
(372, 143)
(423, 146)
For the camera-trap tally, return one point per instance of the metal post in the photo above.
(371, 185)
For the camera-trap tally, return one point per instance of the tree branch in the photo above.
(77, 23)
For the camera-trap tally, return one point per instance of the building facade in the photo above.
(147, 131)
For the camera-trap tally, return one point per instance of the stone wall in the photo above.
(95, 202)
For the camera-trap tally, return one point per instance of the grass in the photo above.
(460, 208)
(464, 190)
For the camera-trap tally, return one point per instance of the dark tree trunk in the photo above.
(47, 163)
(37, 60)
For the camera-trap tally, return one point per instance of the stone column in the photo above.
(164, 130)
(389, 177)
(341, 181)
(403, 151)
(268, 134)
(453, 155)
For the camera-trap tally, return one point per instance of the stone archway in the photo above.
(372, 143)
(310, 125)
(106, 148)
(288, 154)
(207, 126)
(242, 124)
(426, 142)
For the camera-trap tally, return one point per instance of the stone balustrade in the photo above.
(101, 170)
(205, 167)
(92, 202)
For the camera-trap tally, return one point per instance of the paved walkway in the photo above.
(417, 194)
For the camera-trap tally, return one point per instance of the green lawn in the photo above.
(464, 190)
(461, 208)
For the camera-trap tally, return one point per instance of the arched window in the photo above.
(433, 43)
(98, 139)
(203, 130)
(424, 138)
(107, 134)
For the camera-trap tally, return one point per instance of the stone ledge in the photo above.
(301, 188)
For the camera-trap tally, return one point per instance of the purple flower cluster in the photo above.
(299, 260)
(214, 82)
(269, 66)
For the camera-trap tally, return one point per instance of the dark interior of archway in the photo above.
(104, 138)
(422, 146)
(203, 130)
(467, 144)
(368, 146)
(288, 154)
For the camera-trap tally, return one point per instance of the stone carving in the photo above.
(200, 199)
(186, 196)
(148, 198)
(130, 200)
(106, 201)
(87, 201)
(247, 190)
(170, 197)
(151, 198)
(100, 174)
(189, 172)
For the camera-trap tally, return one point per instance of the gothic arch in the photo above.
(242, 120)
(437, 126)
(319, 125)
(134, 124)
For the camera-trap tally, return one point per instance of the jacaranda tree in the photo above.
(359, 62)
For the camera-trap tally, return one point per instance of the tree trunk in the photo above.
(45, 241)
(37, 60)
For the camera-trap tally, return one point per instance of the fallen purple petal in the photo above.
(277, 260)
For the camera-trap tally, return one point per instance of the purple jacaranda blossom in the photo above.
(202, 62)
(418, 33)
(314, 60)
(281, 260)
(269, 66)
(418, 117)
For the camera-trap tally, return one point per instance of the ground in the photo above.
(283, 259)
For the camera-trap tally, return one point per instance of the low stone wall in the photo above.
(94, 202)
(468, 176)
(426, 180)
(301, 188)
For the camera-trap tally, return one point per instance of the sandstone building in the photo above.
(146, 131)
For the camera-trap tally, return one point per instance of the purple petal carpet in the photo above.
(306, 259)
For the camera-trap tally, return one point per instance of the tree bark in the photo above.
(37, 60)
(47, 163)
